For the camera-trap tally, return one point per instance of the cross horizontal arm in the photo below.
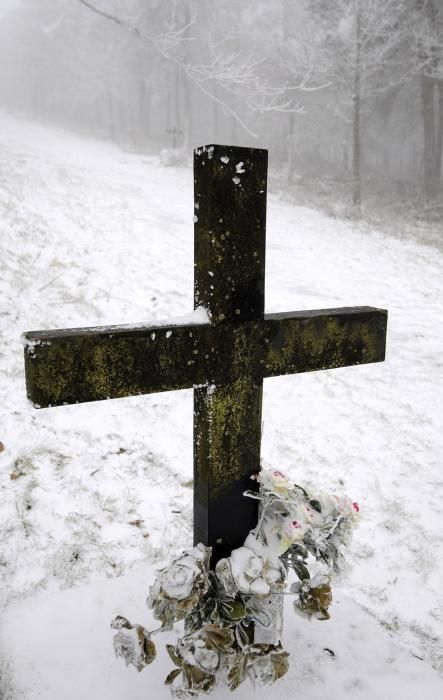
(306, 341)
(92, 364)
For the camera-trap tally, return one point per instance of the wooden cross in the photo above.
(224, 360)
(175, 132)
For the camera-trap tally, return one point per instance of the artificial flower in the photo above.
(179, 586)
(133, 643)
(275, 481)
(291, 531)
(246, 572)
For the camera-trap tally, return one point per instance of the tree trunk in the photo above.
(356, 129)
(145, 109)
(185, 82)
(187, 110)
(430, 56)
(291, 153)
(286, 25)
(177, 106)
(429, 144)
(215, 110)
(439, 152)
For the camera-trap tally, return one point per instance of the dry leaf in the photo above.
(15, 475)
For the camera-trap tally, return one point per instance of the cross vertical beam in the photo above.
(229, 265)
(225, 360)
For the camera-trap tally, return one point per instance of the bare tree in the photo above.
(238, 74)
(429, 42)
(360, 45)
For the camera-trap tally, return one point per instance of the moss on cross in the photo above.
(224, 360)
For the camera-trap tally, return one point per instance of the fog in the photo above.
(347, 96)
(101, 105)
(8, 6)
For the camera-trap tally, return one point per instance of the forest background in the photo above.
(347, 96)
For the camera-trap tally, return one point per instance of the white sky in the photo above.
(8, 5)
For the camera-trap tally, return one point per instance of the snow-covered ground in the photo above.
(93, 235)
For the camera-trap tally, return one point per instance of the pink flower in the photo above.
(291, 531)
(290, 528)
(356, 507)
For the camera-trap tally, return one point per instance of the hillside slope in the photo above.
(91, 235)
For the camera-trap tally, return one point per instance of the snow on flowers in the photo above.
(179, 587)
(233, 615)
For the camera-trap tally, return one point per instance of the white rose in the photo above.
(275, 481)
(252, 573)
(177, 580)
(182, 581)
(247, 570)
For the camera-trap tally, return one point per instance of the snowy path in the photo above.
(92, 235)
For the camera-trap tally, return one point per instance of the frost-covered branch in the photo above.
(236, 72)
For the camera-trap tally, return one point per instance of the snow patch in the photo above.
(30, 345)
(85, 207)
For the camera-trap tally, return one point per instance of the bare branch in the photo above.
(236, 73)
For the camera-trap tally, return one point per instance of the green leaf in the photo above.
(295, 551)
(301, 570)
(316, 505)
(244, 632)
(167, 626)
(172, 676)
(193, 623)
(173, 656)
(219, 638)
(304, 492)
(197, 679)
(280, 663)
(236, 671)
(316, 601)
(232, 610)
(149, 649)
(207, 608)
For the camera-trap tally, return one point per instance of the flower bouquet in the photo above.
(233, 615)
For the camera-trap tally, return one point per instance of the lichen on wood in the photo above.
(225, 360)
(229, 281)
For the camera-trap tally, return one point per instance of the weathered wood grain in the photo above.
(226, 360)
(77, 365)
(229, 281)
